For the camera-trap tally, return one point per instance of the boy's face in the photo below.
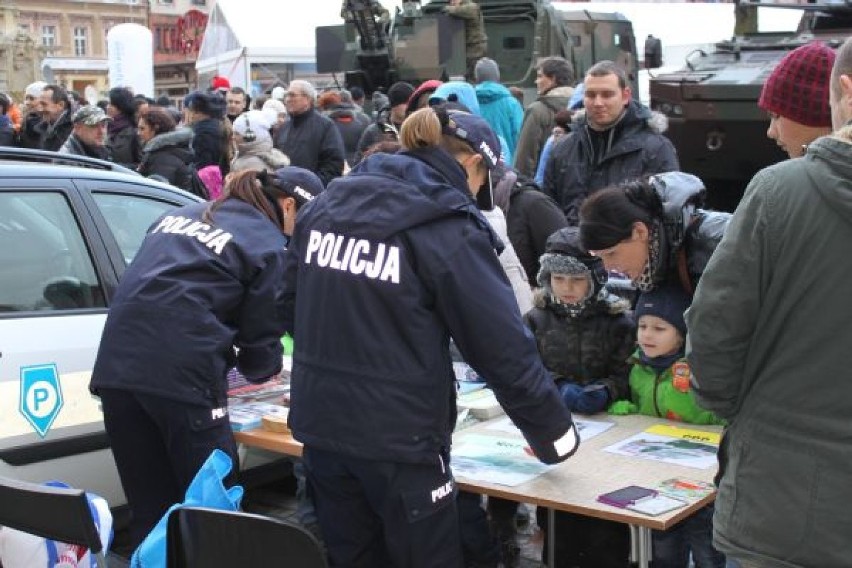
(570, 289)
(657, 337)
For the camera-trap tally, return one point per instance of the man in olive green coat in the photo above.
(769, 330)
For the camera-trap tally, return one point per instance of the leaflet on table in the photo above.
(248, 416)
(587, 429)
(686, 489)
(495, 460)
(671, 444)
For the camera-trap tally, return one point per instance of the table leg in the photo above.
(640, 546)
(634, 543)
(551, 537)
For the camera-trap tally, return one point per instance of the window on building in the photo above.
(167, 2)
(199, 2)
(48, 36)
(81, 36)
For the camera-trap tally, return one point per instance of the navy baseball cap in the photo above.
(300, 184)
(478, 135)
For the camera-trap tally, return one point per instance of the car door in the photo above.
(65, 245)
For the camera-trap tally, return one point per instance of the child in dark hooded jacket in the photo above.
(585, 336)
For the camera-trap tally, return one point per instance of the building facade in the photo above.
(67, 39)
(177, 27)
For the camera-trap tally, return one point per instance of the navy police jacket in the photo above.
(193, 292)
(384, 267)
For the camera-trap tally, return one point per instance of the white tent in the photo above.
(247, 39)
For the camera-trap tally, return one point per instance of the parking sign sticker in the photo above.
(41, 396)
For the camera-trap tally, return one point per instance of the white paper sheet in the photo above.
(669, 449)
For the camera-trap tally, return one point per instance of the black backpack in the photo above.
(192, 182)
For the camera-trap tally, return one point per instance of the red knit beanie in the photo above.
(219, 82)
(797, 88)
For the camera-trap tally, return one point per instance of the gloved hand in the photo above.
(584, 400)
(593, 400)
(622, 408)
(570, 393)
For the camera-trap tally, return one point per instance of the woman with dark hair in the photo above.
(165, 150)
(200, 297)
(204, 113)
(653, 230)
(121, 131)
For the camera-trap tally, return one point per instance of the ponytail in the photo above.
(427, 127)
(421, 129)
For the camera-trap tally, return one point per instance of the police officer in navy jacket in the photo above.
(207, 278)
(384, 268)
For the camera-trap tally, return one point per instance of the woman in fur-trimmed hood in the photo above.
(165, 150)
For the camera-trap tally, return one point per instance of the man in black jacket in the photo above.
(56, 126)
(617, 139)
(308, 138)
(89, 135)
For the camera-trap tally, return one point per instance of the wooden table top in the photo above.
(573, 485)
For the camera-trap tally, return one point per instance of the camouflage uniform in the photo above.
(476, 42)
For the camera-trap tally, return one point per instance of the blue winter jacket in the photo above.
(503, 112)
(193, 292)
(384, 267)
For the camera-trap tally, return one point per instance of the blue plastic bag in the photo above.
(206, 490)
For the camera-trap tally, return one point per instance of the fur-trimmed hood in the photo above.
(180, 137)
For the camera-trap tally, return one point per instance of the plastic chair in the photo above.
(211, 538)
(55, 513)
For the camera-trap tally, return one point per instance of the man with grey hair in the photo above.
(554, 80)
(769, 351)
(617, 139)
(310, 139)
(31, 115)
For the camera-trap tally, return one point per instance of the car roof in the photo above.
(21, 163)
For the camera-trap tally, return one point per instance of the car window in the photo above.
(46, 264)
(129, 217)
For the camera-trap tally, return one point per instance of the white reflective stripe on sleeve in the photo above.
(567, 443)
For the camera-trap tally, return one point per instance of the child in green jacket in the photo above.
(660, 386)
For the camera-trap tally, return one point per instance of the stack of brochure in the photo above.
(249, 415)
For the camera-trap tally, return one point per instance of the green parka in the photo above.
(665, 394)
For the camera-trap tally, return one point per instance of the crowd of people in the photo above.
(389, 243)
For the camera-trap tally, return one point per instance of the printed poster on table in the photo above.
(671, 444)
(495, 460)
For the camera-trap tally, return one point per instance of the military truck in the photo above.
(714, 121)
(420, 41)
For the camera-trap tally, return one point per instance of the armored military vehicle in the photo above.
(714, 121)
(374, 49)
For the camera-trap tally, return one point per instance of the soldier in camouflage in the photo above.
(476, 42)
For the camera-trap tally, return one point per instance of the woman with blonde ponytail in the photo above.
(384, 268)
(201, 296)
